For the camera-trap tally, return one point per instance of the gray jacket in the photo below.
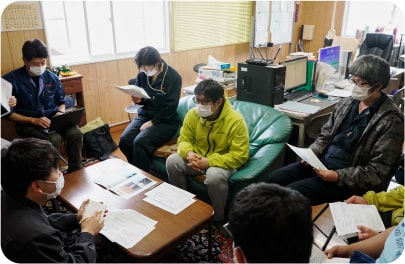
(377, 154)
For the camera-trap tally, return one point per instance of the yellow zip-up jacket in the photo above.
(224, 141)
(392, 200)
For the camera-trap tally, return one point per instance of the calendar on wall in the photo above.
(21, 16)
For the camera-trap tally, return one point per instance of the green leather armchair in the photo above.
(269, 130)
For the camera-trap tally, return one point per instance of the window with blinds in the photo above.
(198, 25)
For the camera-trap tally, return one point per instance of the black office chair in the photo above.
(315, 124)
(378, 44)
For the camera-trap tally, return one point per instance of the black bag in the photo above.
(98, 143)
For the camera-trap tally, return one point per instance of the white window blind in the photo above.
(210, 24)
(90, 31)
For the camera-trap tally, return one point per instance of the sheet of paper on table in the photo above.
(169, 198)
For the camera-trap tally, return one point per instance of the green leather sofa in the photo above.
(269, 130)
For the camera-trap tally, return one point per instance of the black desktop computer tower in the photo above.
(261, 84)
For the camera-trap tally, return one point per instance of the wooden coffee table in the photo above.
(170, 231)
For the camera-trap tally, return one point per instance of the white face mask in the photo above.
(37, 70)
(359, 93)
(203, 110)
(149, 73)
(60, 182)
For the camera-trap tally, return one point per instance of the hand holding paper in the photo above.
(133, 90)
(308, 156)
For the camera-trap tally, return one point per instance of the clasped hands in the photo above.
(197, 162)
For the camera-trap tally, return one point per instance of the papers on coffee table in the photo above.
(169, 198)
(127, 227)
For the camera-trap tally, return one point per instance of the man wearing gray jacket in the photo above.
(360, 144)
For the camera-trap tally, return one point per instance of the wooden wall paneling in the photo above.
(110, 99)
(319, 13)
(90, 89)
(7, 63)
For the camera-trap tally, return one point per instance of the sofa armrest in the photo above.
(257, 164)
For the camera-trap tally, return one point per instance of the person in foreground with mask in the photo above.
(361, 143)
(29, 177)
(157, 120)
(40, 96)
(214, 142)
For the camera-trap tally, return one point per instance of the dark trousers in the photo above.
(74, 142)
(138, 146)
(304, 179)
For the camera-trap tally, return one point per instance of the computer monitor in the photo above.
(330, 55)
(296, 73)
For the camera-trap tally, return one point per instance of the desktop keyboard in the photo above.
(298, 95)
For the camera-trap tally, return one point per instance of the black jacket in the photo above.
(29, 235)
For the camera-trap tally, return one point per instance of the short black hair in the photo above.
(148, 56)
(24, 161)
(272, 223)
(212, 90)
(372, 69)
(34, 48)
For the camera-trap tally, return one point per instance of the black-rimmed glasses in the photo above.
(203, 102)
(358, 83)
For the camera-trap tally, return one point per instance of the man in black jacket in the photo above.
(29, 177)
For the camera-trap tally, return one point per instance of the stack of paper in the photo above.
(126, 227)
(169, 198)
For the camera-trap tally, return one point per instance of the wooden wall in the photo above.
(102, 100)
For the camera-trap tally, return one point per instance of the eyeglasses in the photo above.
(358, 83)
(203, 102)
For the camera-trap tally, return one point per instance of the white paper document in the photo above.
(309, 156)
(169, 198)
(6, 91)
(348, 216)
(340, 93)
(94, 207)
(133, 90)
(126, 227)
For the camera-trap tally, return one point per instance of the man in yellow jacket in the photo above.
(214, 141)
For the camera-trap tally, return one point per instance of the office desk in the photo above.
(302, 119)
(170, 230)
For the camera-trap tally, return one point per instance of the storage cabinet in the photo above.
(73, 86)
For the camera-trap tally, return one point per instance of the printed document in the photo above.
(309, 156)
(126, 227)
(169, 198)
(348, 216)
(6, 90)
(133, 90)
